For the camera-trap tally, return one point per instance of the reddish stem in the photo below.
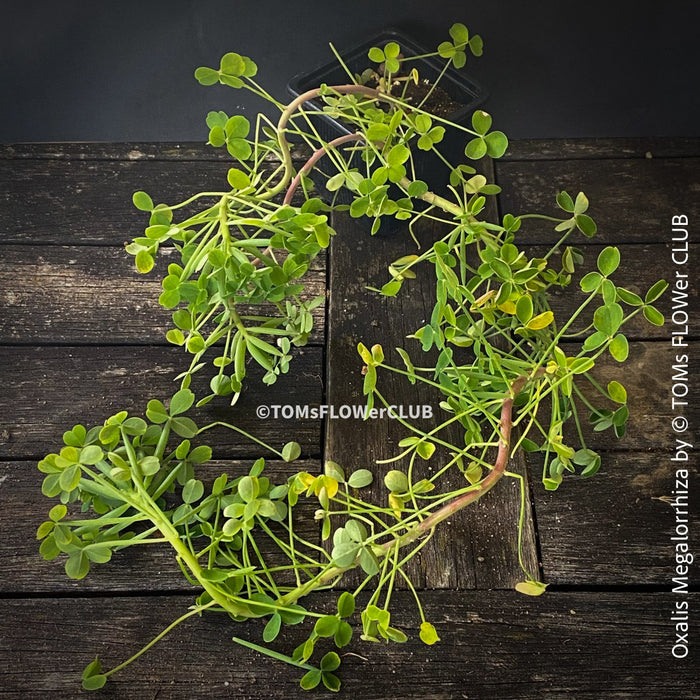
(317, 155)
(499, 467)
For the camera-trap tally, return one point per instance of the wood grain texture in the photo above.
(631, 200)
(615, 528)
(67, 202)
(89, 294)
(622, 147)
(140, 568)
(160, 151)
(494, 645)
(478, 547)
(49, 389)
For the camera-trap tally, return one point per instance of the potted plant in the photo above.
(419, 76)
(494, 354)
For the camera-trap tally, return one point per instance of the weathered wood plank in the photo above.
(477, 549)
(646, 375)
(494, 644)
(614, 528)
(86, 150)
(620, 147)
(632, 201)
(72, 201)
(151, 568)
(88, 294)
(49, 389)
(519, 149)
(113, 151)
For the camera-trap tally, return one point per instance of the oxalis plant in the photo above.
(510, 374)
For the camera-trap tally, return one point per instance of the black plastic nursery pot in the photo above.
(461, 89)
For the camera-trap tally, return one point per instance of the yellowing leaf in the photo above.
(533, 588)
(428, 634)
(541, 321)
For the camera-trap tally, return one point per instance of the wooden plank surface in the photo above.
(621, 147)
(142, 569)
(67, 202)
(49, 389)
(478, 548)
(631, 200)
(605, 540)
(494, 645)
(89, 294)
(615, 528)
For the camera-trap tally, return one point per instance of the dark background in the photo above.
(79, 70)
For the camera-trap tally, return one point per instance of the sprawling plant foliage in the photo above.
(492, 350)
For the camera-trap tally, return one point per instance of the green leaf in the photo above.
(417, 188)
(656, 291)
(629, 297)
(496, 144)
(590, 282)
(144, 261)
(142, 201)
(581, 365)
(77, 565)
(291, 451)
(232, 64)
(375, 54)
(248, 488)
(617, 392)
(481, 121)
(156, 412)
(91, 454)
(476, 45)
(398, 154)
(331, 681)
(533, 588)
(476, 148)
(428, 634)
(391, 50)
(237, 127)
(581, 204)
(607, 319)
(459, 33)
(619, 347)
(396, 481)
(149, 465)
(360, 478)
(94, 682)
(310, 679)
(70, 478)
(565, 202)
(343, 635)
(272, 628)
(608, 260)
(184, 427)
(238, 179)
(391, 289)
(524, 309)
(192, 491)
(586, 225)
(58, 513)
(346, 604)
(181, 402)
(653, 315)
(594, 341)
(207, 76)
(425, 449)
(326, 626)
